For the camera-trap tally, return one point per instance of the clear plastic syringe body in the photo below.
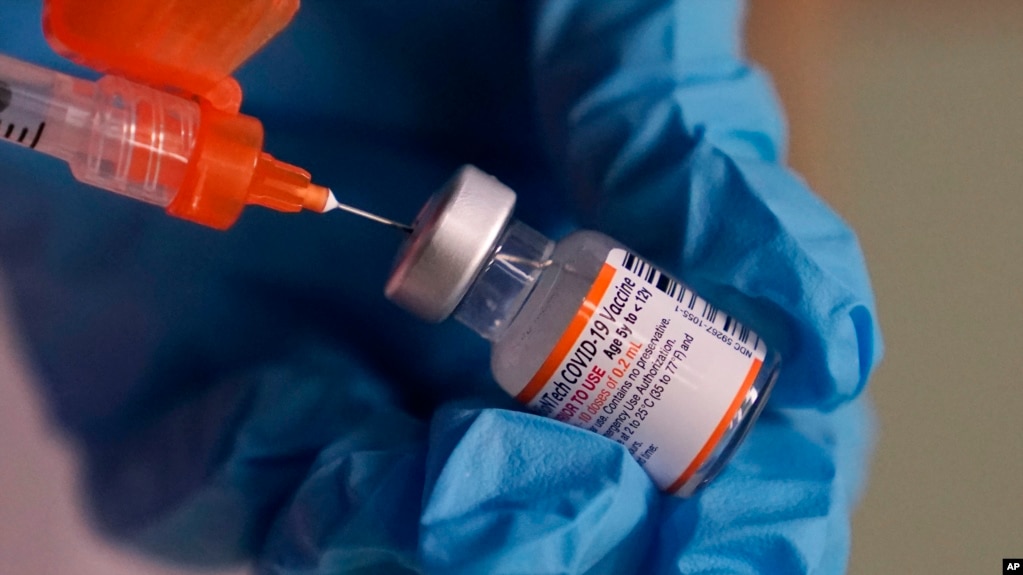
(586, 332)
(113, 133)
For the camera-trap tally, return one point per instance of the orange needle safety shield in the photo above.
(186, 50)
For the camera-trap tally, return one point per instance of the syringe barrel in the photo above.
(201, 163)
(26, 98)
(115, 134)
(139, 141)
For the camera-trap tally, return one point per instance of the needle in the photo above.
(333, 204)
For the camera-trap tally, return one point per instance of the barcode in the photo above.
(687, 298)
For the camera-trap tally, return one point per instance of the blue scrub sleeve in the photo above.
(251, 396)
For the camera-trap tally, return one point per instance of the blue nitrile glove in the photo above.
(252, 394)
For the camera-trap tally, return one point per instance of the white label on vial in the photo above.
(650, 364)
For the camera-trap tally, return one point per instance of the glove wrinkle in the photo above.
(511, 498)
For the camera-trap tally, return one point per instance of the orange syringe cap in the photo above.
(191, 48)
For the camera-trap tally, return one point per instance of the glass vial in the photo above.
(588, 333)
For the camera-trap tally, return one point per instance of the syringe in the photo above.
(200, 163)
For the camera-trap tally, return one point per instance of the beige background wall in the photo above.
(908, 118)
(935, 147)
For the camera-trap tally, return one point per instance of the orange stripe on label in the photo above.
(569, 337)
(720, 430)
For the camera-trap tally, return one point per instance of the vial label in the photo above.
(652, 365)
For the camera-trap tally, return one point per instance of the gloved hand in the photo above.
(251, 394)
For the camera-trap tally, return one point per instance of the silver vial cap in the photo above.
(452, 239)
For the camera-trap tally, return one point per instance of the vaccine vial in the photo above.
(586, 332)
